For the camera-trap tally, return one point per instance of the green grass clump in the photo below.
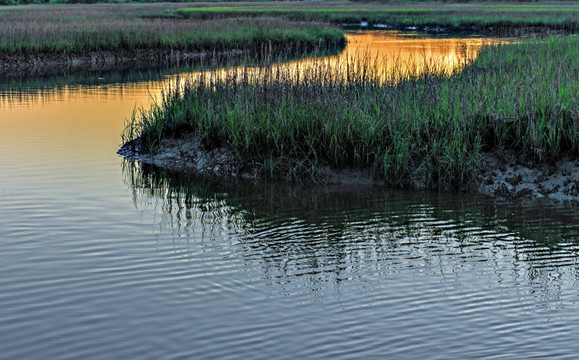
(425, 132)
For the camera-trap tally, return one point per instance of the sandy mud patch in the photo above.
(505, 177)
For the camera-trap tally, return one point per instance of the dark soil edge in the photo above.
(45, 64)
(187, 155)
(503, 176)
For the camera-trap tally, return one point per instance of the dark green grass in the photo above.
(71, 29)
(428, 132)
(564, 16)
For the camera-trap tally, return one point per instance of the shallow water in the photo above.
(101, 258)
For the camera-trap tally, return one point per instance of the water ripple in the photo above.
(99, 262)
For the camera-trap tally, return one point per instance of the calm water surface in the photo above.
(102, 259)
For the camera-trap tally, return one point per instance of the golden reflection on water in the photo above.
(391, 55)
(91, 117)
(384, 57)
(414, 55)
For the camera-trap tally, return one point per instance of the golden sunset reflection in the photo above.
(386, 57)
(406, 55)
(390, 55)
(55, 121)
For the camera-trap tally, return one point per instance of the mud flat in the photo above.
(506, 177)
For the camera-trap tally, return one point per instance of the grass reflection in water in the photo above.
(311, 229)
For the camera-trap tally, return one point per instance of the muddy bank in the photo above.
(506, 176)
(187, 155)
(46, 64)
(503, 175)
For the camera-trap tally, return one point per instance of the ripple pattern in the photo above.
(103, 259)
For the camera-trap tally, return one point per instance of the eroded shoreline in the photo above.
(503, 176)
(188, 156)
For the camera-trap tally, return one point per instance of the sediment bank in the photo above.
(187, 155)
(506, 176)
(503, 175)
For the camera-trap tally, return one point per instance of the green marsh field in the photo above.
(455, 16)
(77, 29)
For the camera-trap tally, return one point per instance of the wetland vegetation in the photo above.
(420, 131)
(425, 131)
(430, 131)
(92, 28)
(501, 17)
(44, 36)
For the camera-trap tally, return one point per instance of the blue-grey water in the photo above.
(105, 259)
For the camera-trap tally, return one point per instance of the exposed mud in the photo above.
(45, 64)
(503, 175)
(187, 155)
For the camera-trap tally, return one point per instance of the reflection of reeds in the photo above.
(288, 225)
(416, 131)
(183, 201)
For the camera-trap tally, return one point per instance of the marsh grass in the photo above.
(481, 15)
(427, 131)
(77, 29)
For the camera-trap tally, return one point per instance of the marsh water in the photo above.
(101, 258)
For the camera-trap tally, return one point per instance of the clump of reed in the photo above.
(77, 29)
(424, 131)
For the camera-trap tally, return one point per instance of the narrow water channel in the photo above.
(101, 258)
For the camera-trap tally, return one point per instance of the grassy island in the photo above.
(425, 132)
